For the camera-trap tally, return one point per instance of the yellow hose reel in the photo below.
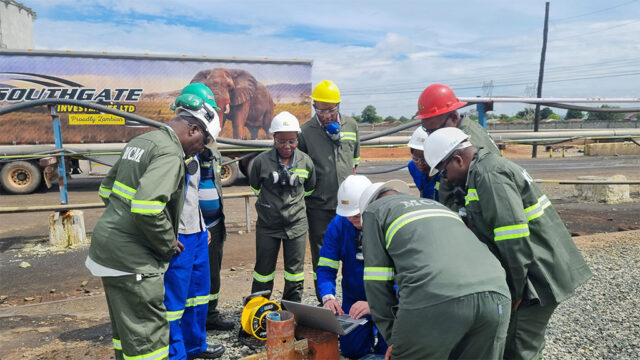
(254, 314)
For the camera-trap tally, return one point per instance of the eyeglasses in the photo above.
(286, 142)
(442, 167)
(418, 159)
(331, 111)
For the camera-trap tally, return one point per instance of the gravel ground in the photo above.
(601, 322)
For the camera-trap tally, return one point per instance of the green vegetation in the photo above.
(605, 116)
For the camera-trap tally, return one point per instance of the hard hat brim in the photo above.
(346, 212)
(456, 106)
(374, 189)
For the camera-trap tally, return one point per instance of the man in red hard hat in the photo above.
(438, 108)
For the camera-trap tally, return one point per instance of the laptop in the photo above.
(322, 318)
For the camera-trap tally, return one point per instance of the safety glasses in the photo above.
(331, 111)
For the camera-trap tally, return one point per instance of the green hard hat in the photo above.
(202, 91)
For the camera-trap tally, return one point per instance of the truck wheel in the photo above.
(20, 177)
(229, 172)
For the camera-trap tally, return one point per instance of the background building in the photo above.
(16, 25)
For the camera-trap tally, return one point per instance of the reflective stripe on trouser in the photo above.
(528, 325)
(293, 250)
(138, 316)
(468, 327)
(186, 297)
(215, 263)
(318, 220)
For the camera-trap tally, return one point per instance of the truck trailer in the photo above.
(249, 91)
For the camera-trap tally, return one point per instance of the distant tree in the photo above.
(554, 117)
(605, 116)
(357, 118)
(369, 114)
(404, 119)
(526, 114)
(390, 119)
(503, 117)
(574, 114)
(545, 112)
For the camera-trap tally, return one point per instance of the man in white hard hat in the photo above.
(508, 212)
(343, 242)
(281, 178)
(452, 300)
(418, 168)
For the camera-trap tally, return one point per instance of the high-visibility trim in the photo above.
(255, 191)
(158, 354)
(123, 190)
(302, 173)
(117, 344)
(536, 210)
(175, 315)
(219, 169)
(198, 300)
(293, 277)
(409, 217)
(348, 136)
(104, 192)
(315, 277)
(437, 187)
(307, 193)
(356, 161)
(147, 207)
(378, 273)
(213, 296)
(323, 261)
(263, 278)
(472, 195)
(510, 232)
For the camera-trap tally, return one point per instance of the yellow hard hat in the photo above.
(326, 91)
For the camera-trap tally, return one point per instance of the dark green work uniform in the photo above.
(480, 139)
(135, 239)
(281, 218)
(452, 301)
(334, 160)
(509, 213)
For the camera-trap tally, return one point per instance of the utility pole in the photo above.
(536, 121)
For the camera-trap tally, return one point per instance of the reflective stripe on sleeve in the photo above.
(263, 278)
(104, 192)
(511, 232)
(147, 207)
(307, 193)
(302, 173)
(356, 161)
(472, 195)
(255, 191)
(378, 273)
(293, 277)
(437, 186)
(536, 210)
(123, 190)
(323, 261)
(409, 217)
(348, 136)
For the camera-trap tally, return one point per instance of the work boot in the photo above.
(212, 352)
(220, 324)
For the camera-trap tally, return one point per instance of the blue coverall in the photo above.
(428, 188)
(340, 245)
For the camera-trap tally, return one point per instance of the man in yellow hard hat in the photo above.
(331, 140)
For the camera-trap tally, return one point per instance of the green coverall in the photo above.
(452, 300)
(281, 218)
(480, 139)
(509, 213)
(333, 161)
(144, 194)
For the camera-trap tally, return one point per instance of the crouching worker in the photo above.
(418, 168)
(343, 242)
(281, 178)
(453, 301)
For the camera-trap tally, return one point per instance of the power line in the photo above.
(595, 11)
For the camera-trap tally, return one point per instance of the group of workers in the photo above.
(472, 268)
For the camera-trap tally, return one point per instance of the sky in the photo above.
(380, 53)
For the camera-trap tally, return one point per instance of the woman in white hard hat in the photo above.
(343, 242)
(419, 169)
(281, 177)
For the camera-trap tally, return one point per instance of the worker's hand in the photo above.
(208, 237)
(180, 247)
(387, 355)
(516, 304)
(334, 306)
(359, 309)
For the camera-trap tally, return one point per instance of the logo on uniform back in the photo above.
(132, 153)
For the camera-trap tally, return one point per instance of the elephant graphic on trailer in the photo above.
(242, 99)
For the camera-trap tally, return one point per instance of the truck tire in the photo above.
(20, 177)
(229, 172)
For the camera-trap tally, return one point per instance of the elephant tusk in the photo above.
(226, 109)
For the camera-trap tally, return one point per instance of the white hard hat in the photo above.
(349, 194)
(417, 139)
(373, 190)
(207, 117)
(284, 121)
(441, 144)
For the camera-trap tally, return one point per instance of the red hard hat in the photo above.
(437, 99)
